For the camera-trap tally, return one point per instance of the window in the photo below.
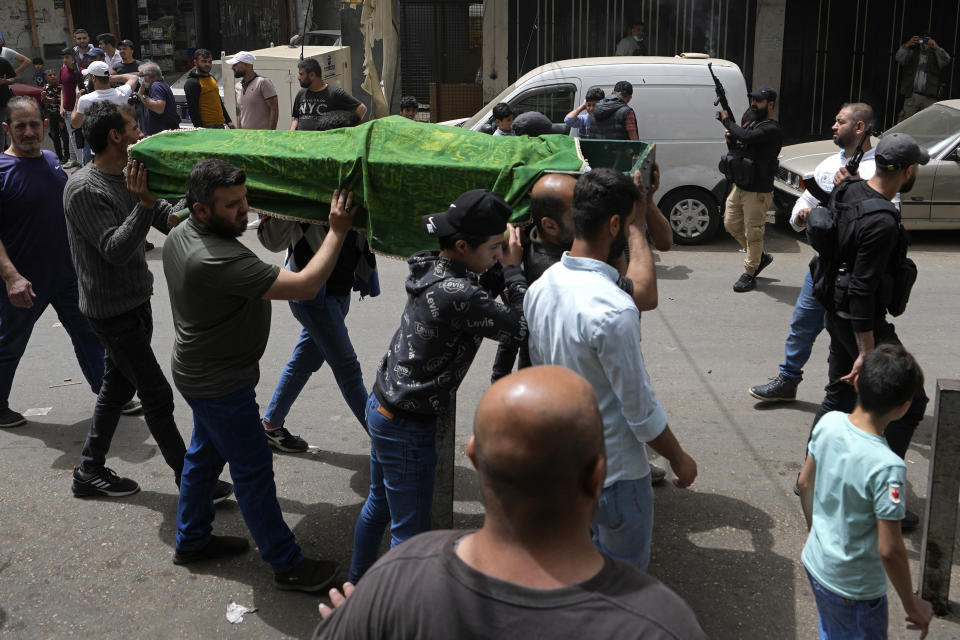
(475, 25)
(555, 102)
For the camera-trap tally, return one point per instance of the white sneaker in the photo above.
(254, 225)
(70, 164)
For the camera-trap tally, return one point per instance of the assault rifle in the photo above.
(853, 165)
(721, 98)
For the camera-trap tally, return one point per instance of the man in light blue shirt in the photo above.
(580, 319)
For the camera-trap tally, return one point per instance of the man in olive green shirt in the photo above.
(219, 293)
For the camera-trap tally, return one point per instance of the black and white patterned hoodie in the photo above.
(447, 316)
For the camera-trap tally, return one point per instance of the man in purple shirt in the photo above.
(160, 107)
(34, 255)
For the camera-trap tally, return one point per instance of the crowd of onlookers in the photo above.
(107, 72)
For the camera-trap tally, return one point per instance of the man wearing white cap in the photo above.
(256, 98)
(102, 92)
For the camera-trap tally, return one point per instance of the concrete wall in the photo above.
(51, 19)
(768, 44)
(496, 30)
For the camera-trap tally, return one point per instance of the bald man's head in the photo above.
(551, 201)
(537, 438)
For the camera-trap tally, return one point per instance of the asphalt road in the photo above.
(730, 545)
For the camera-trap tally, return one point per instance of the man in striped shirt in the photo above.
(108, 217)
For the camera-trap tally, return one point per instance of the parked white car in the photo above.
(934, 201)
(673, 99)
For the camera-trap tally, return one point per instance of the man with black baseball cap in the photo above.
(128, 63)
(449, 311)
(874, 256)
(750, 166)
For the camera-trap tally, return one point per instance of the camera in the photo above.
(134, 100)
(922, 41)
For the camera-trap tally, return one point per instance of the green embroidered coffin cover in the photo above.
(398, 169)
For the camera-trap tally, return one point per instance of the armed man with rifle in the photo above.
(750, 165)
(862, 273)
(851, 132)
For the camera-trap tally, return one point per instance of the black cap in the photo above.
(534, 123)
(128, 43)
(478, 212)
(764, 93)
(897, 151)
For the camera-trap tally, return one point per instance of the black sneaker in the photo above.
(102, 482)
(10, 418)
(309, 575)
(765, 259)
(216, 547)
(282, 440)
(222, 491)
(910, 521)
(657, 474)
(148, 246)
(746, 283)
(779, 389)
(132, 407)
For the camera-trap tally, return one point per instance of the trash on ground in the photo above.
(235, 612)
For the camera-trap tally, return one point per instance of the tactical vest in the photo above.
(930, 67)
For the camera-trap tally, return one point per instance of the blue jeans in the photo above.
(227, 430)
(623, 522)
(16, 326)
(844, 619)
(403, 458)
(324, 339)
(131, 366)
(806, 325)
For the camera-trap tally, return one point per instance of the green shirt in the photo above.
(859, 481)
(216, 287)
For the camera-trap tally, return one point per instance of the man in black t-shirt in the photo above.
(532, 569)
(317, 97)
(127, 64)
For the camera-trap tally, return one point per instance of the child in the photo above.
(39, 75)
(409, 107)
(50, 100)
(503, 115)
(448, 313)
(852, 492)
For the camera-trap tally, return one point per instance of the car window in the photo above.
(934, 128)
(555, 101)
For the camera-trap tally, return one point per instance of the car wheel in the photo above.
(692, 214)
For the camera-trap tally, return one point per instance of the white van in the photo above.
(673, 99)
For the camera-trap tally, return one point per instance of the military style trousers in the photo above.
(745, 218)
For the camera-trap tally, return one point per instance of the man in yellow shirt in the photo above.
(203, 95)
